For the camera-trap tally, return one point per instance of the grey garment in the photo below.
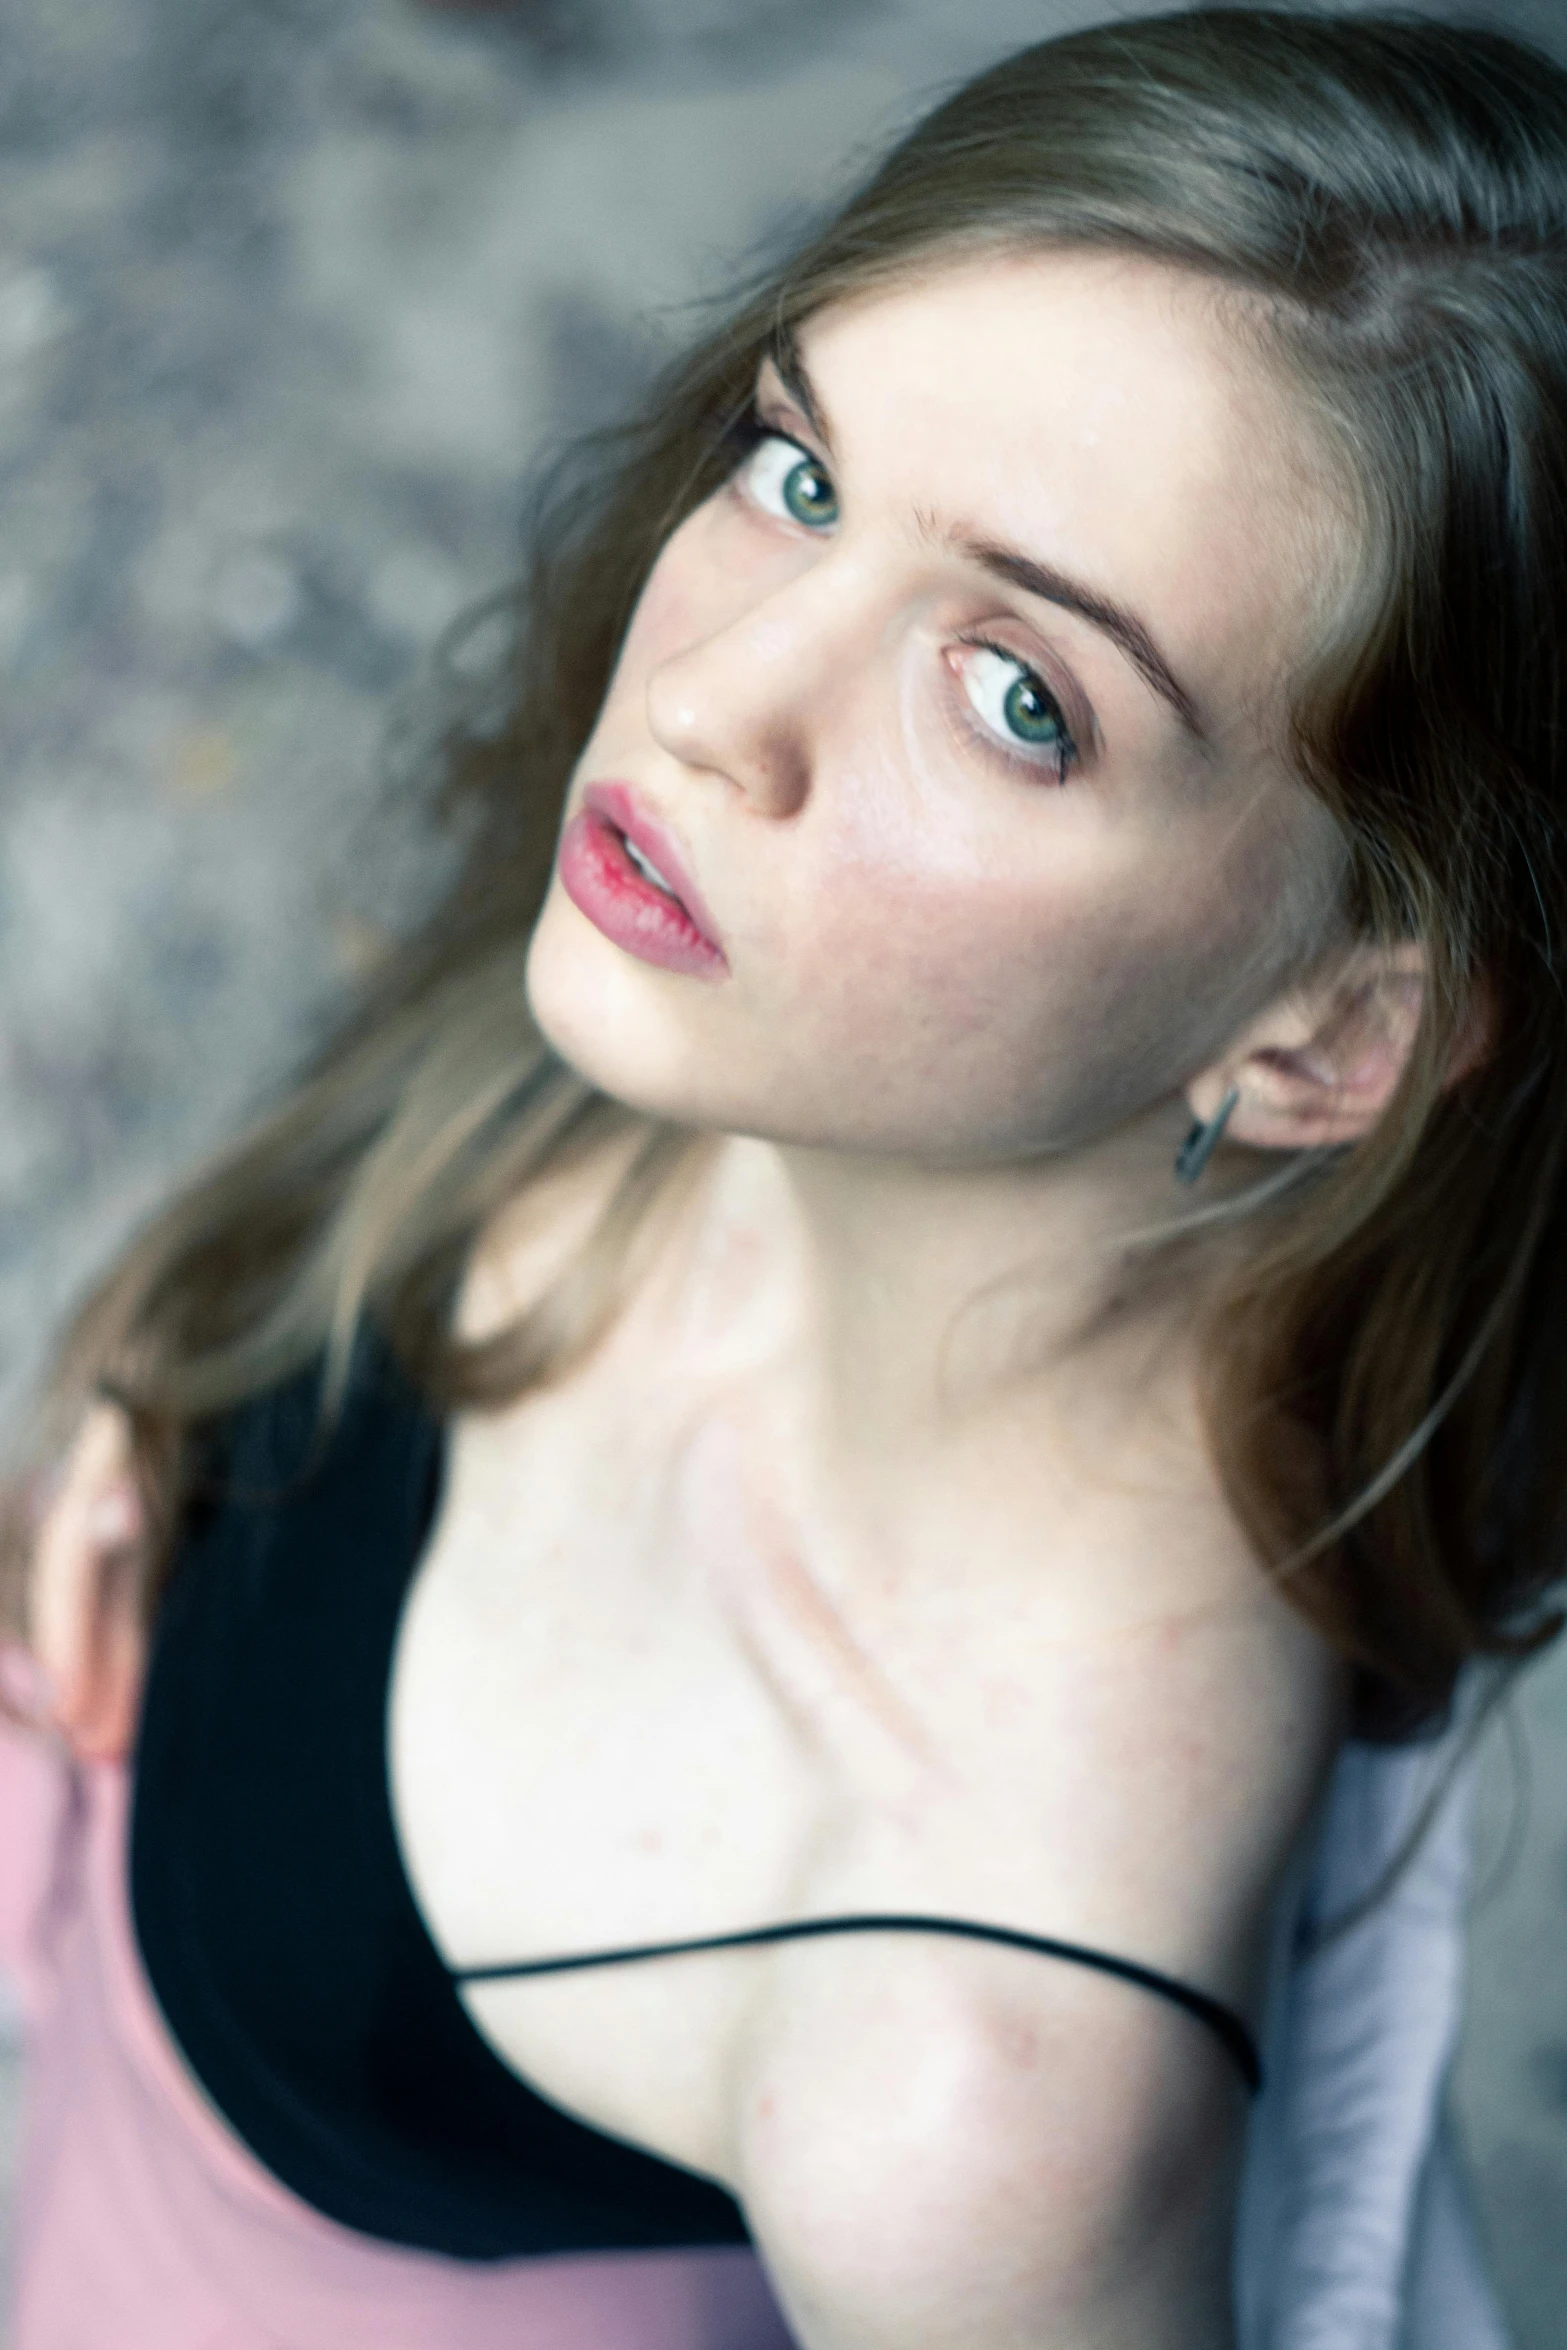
(1353, 2231)
(1449, 2302)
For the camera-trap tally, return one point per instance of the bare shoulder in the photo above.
(944, 2143)
(954, 2146)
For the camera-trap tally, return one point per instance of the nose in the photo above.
(749, 698)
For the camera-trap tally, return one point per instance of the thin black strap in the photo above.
(1220, 2020)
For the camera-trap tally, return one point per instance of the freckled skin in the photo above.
(940, 953)
(866, 1618)
(746, 1617)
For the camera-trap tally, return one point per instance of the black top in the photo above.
(274, 1916)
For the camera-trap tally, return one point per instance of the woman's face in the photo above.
(956, 720)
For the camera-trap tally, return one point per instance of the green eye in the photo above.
(1031, 714)
(1017, 707)
(808, 493)
(786, 480)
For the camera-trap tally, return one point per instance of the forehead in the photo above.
(1102, 413)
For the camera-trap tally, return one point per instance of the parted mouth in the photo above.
(626, 872)
(653, 850)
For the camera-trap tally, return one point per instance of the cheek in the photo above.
(898, 902)
(922, 961)
(926, 893)
(1043, 997)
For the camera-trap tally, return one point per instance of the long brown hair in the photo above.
(1387, 198)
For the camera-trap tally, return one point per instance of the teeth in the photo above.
(651, 872)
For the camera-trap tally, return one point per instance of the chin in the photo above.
(622, 1032)
(609, 1019)
(669, 1048)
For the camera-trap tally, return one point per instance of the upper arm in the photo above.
(956, 2153)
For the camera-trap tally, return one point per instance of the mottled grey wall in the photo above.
(291, 293)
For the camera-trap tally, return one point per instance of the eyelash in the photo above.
(748, 432)
(744, 434)
(1064, 754)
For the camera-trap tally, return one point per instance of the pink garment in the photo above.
(144, 2223)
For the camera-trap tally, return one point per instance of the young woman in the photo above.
(755, 1557)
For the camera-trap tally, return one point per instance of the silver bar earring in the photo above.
(1204, 1138)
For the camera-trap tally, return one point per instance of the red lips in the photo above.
(670, 927)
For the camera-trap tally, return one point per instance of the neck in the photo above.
(905, 1296)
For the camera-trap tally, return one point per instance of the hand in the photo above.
(85, 1589)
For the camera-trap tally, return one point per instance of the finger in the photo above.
(77, 1606)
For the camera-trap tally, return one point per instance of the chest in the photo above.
(648, 1688)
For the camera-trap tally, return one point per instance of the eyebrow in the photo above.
(1133, 636)
(1122, 627)
(793, 374)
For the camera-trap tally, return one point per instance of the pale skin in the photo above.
(812, 1591)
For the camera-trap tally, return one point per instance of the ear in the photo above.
(1321, 1063)
(85, 1591)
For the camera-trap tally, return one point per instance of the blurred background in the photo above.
(293, 293)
